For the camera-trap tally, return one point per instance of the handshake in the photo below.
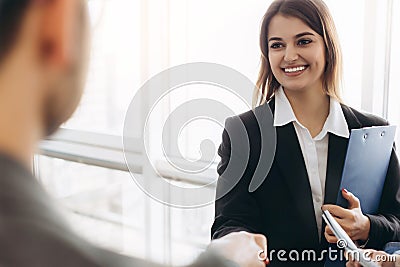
(242, 248)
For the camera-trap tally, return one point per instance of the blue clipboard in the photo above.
(365, 168)
(366, 164)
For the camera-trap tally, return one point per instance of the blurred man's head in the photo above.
(42, 57)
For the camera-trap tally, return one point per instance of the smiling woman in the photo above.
(299, 81)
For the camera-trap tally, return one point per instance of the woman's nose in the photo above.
(291, 54)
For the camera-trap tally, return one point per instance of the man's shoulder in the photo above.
(33, 232)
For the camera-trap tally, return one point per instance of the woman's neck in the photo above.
(311, 108)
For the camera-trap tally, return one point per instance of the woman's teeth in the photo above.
(289, 70)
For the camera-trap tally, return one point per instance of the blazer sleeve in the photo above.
(236, 210)
(385, 226)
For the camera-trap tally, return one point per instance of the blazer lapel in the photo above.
(290, 161)
(337, 150)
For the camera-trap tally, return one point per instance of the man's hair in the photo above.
(11, 15)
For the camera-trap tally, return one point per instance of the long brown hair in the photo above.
(316, 15)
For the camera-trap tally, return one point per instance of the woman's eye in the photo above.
(276, 45)
(304, 42)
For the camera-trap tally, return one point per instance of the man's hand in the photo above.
(242, 247)
(379, 257)
(352, 220)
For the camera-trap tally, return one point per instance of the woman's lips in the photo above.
(295, 71)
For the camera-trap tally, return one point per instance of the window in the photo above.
(394, 69)
(103, 204)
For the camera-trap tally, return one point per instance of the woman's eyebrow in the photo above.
(296, 37)
(303, 34)
(274, 39)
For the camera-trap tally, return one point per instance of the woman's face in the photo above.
(296, 54)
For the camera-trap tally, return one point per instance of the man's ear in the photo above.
(59, 31)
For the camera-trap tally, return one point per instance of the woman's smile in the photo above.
(295, 71)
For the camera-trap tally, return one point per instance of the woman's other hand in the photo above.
(352, 220)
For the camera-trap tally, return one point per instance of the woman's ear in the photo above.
(59, 31)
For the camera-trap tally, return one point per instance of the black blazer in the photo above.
(282, 207)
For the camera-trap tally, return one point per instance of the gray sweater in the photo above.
(33, 234)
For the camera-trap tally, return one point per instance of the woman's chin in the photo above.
(294, 88)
